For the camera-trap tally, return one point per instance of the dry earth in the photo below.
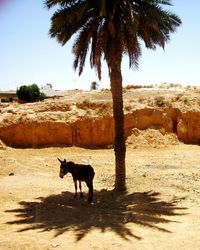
(160, 209)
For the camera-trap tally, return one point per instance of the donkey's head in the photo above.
(63, 168)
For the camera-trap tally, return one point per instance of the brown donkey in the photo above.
(80, 172)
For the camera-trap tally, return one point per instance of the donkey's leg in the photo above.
(90, 198)
(75, 185)
(81, 193)
(90, 186)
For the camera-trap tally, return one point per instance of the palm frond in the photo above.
(108, 29)
(67, 21)
(82, 42)
(63, 3)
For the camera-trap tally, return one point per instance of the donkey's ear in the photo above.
(65, 160)
(59, 160)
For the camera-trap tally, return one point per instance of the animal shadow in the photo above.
(111, 210)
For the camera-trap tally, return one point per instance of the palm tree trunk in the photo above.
(119, 144)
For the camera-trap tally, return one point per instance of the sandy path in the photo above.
(159, 211)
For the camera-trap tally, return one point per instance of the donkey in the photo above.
(80, 172)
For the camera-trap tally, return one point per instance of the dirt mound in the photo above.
(151, 138)
(2, 145)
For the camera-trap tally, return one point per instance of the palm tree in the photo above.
(94, 86)
(111, 29)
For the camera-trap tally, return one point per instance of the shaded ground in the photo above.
(159, 210)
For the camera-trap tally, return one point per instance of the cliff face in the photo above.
(94, 131)
(84, 132)
(188, 127)
(85, 118)
(36, 134)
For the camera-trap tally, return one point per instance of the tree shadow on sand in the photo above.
(111, 210)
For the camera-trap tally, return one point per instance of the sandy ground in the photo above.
(160, 210)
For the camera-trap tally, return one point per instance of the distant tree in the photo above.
(94, 86)
(30, 93)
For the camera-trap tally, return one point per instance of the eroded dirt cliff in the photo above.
(85, 118)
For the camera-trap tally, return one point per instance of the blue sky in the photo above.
(28, 55)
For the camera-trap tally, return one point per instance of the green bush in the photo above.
(30, 93)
